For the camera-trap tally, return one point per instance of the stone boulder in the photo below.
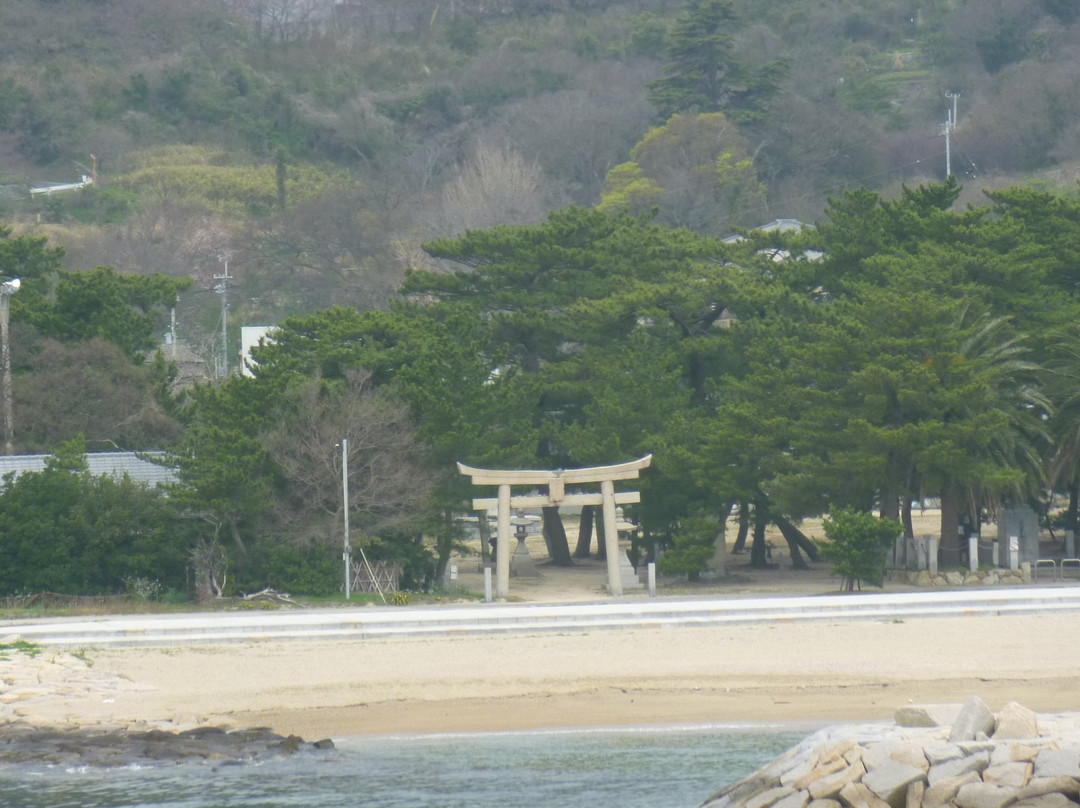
(934, 756)
(973, 721)
(1016, 721)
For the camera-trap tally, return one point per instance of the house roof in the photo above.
(114, 464)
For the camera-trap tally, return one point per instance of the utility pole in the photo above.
(953, 96)
(172, 331)
(223, 287)
(7, 289)
(346, 555)
(945, 129)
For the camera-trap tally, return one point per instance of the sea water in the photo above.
(674, 767)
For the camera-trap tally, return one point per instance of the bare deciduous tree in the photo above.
(496, 186)
(279, 20)
(389, 477)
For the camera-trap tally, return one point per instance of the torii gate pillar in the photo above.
(556, 482)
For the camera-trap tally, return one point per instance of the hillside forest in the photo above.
(531, 234)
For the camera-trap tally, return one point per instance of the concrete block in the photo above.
(1008, 775)
(1038, 786)
(857, 795)
(957, 767)
(830, 786)
(890, 781)
(983, 795)
(1058, 763)
(914, 796)
(766, 798)
(1051, 800)
(796, 800)
(819, 771)
(927, 715)
(943, 791)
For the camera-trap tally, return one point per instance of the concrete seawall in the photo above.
(497, 618)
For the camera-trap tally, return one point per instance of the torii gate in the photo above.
(556, 482)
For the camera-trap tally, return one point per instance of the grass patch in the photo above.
(7, 649)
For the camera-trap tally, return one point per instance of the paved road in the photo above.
(371, 623)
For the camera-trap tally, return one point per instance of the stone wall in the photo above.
(1003, 577)
(933, 756)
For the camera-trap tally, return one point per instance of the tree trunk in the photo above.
(950, 524)
(905, 518)
(555, 538)
(484, 529)
(444, 545)
(719, 560)
(585, 531)
(241, 550)
(797, 540)
(759, 552)
(744, 528)
(1074, 503)
(889, 505)
(601, 545)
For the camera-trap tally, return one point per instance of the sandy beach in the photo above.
(812, 673)
(780, 672)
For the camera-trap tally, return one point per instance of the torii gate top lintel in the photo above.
(592, 474)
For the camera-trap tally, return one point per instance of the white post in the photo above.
(502, 544)
(345, 503)
(487, 584)
(995, 557)
(652, 579)
(973, 553)
(611, 538)
(9, 429)
(931, 553)
(1014, 553)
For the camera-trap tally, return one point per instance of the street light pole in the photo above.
(345, 501)
(7, 289)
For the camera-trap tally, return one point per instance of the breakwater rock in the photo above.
(22, 744)
(932, 756)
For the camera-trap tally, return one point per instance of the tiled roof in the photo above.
(116, 464)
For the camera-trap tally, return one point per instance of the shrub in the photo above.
(312, 570)
(858, 543)
(692, 547)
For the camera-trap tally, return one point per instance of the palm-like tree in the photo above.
(998, 399)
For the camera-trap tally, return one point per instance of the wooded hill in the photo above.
(338, 154)
(317, 144)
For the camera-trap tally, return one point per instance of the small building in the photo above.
(135, 465)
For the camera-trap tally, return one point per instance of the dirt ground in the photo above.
(587, 579)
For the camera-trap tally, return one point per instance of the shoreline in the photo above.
(812, 673)
(813, 707)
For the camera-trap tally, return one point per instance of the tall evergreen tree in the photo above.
(704, 74)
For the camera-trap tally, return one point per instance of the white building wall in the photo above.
(250, 335)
